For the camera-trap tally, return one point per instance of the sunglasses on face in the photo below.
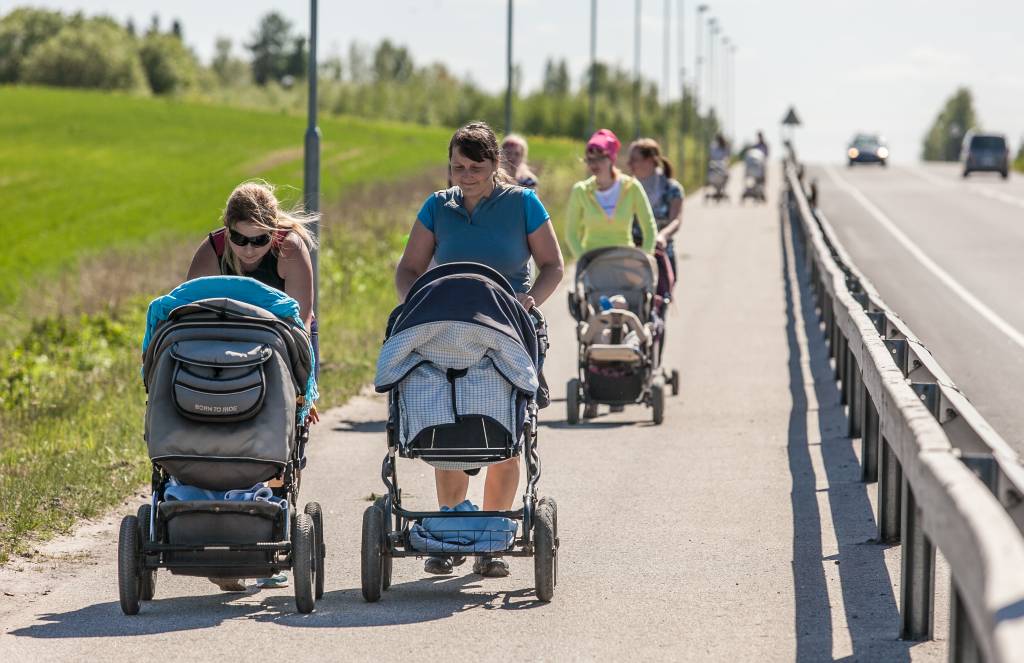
(238, 239)
(595, 158)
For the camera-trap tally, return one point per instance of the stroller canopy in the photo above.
(617, 270)
(461, 344)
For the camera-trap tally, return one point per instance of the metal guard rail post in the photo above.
(945, 477)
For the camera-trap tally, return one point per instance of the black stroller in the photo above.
(224, 380)
(619, 360)
(460, 364)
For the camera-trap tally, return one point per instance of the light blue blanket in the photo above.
(465, 534)
(259, 493)
(242, 288)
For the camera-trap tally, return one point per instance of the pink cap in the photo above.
(605, 141)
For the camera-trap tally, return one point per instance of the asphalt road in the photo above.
(956, 274)
(736, 531)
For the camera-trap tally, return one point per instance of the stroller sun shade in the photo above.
(223, 378)
(461, 346)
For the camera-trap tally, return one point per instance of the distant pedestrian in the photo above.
(664, 193)
(515, 150)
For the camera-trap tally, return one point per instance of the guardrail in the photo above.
(945, 478)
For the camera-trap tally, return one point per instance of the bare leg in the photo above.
(500, 486)
(452, 486)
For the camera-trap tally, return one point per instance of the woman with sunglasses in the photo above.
(262, 241)
(603, 207)
(485, 217)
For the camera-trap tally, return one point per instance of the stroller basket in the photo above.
(473, 439)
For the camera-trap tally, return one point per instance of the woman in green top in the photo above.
(602, 208)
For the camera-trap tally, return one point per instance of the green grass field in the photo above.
(120, 182)
(84, 171)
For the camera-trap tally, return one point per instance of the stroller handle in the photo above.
(538, 317)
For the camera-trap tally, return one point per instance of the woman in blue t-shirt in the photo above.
(486, 218)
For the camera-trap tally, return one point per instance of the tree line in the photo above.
(46, 47)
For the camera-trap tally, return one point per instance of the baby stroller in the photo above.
(460, 364)
(619, 347)
(718, 178)
(753, 175)
(228, 384)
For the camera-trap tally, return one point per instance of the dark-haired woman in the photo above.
(483, 217)
(665, 194)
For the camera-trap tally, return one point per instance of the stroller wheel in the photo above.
(572, 401)
(386, 561)
(372, 554)
(303, 549)
(316, 513)
(675, 382)
(129, 583)
(658, 403)
(545, 555)
(147, 577)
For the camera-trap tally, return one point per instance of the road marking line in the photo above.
(980, 189)
(929, 264)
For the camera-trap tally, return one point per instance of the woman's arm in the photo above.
(415, 259)
(204, 262)
(548, 256)
(675, 212)
(573, 216)
(645, 216)
(295, 266)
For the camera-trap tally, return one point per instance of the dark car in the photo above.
(867, 148)
(985, 152)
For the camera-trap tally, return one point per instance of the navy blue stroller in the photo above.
(461, 366)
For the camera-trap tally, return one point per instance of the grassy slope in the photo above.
(84, 171)
(95, 172)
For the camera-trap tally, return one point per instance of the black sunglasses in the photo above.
(238, 239)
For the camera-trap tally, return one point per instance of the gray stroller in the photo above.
(225, 382)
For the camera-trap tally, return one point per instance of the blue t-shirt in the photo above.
(494, 235)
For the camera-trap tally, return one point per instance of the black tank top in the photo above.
(265, 272)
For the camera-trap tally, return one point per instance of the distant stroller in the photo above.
(754, 175)
(620, 321)
(718, 178)
(460, 364)
(226, 381)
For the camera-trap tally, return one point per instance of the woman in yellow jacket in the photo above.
(602, 208)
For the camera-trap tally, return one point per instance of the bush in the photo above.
(91, 54)
(169, 66)
(20, 32)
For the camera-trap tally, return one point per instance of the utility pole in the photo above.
(508, 63)
(725, 87)
(712, 33)
(311, 165)
(665, 75)
(697, 84)
(682, 90)
(593, 69)
(636, 70)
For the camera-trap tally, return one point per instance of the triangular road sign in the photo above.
(791, 119)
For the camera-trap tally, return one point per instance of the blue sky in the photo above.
(846, 67)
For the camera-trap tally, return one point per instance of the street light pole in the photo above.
(712, 33)
(682, 89)
(636, 70)
(311, 165)
(700, 132)
(508, 63)
(666, 52)
(593, 69)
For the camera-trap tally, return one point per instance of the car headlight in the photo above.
(883, 153)
(853, 152)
